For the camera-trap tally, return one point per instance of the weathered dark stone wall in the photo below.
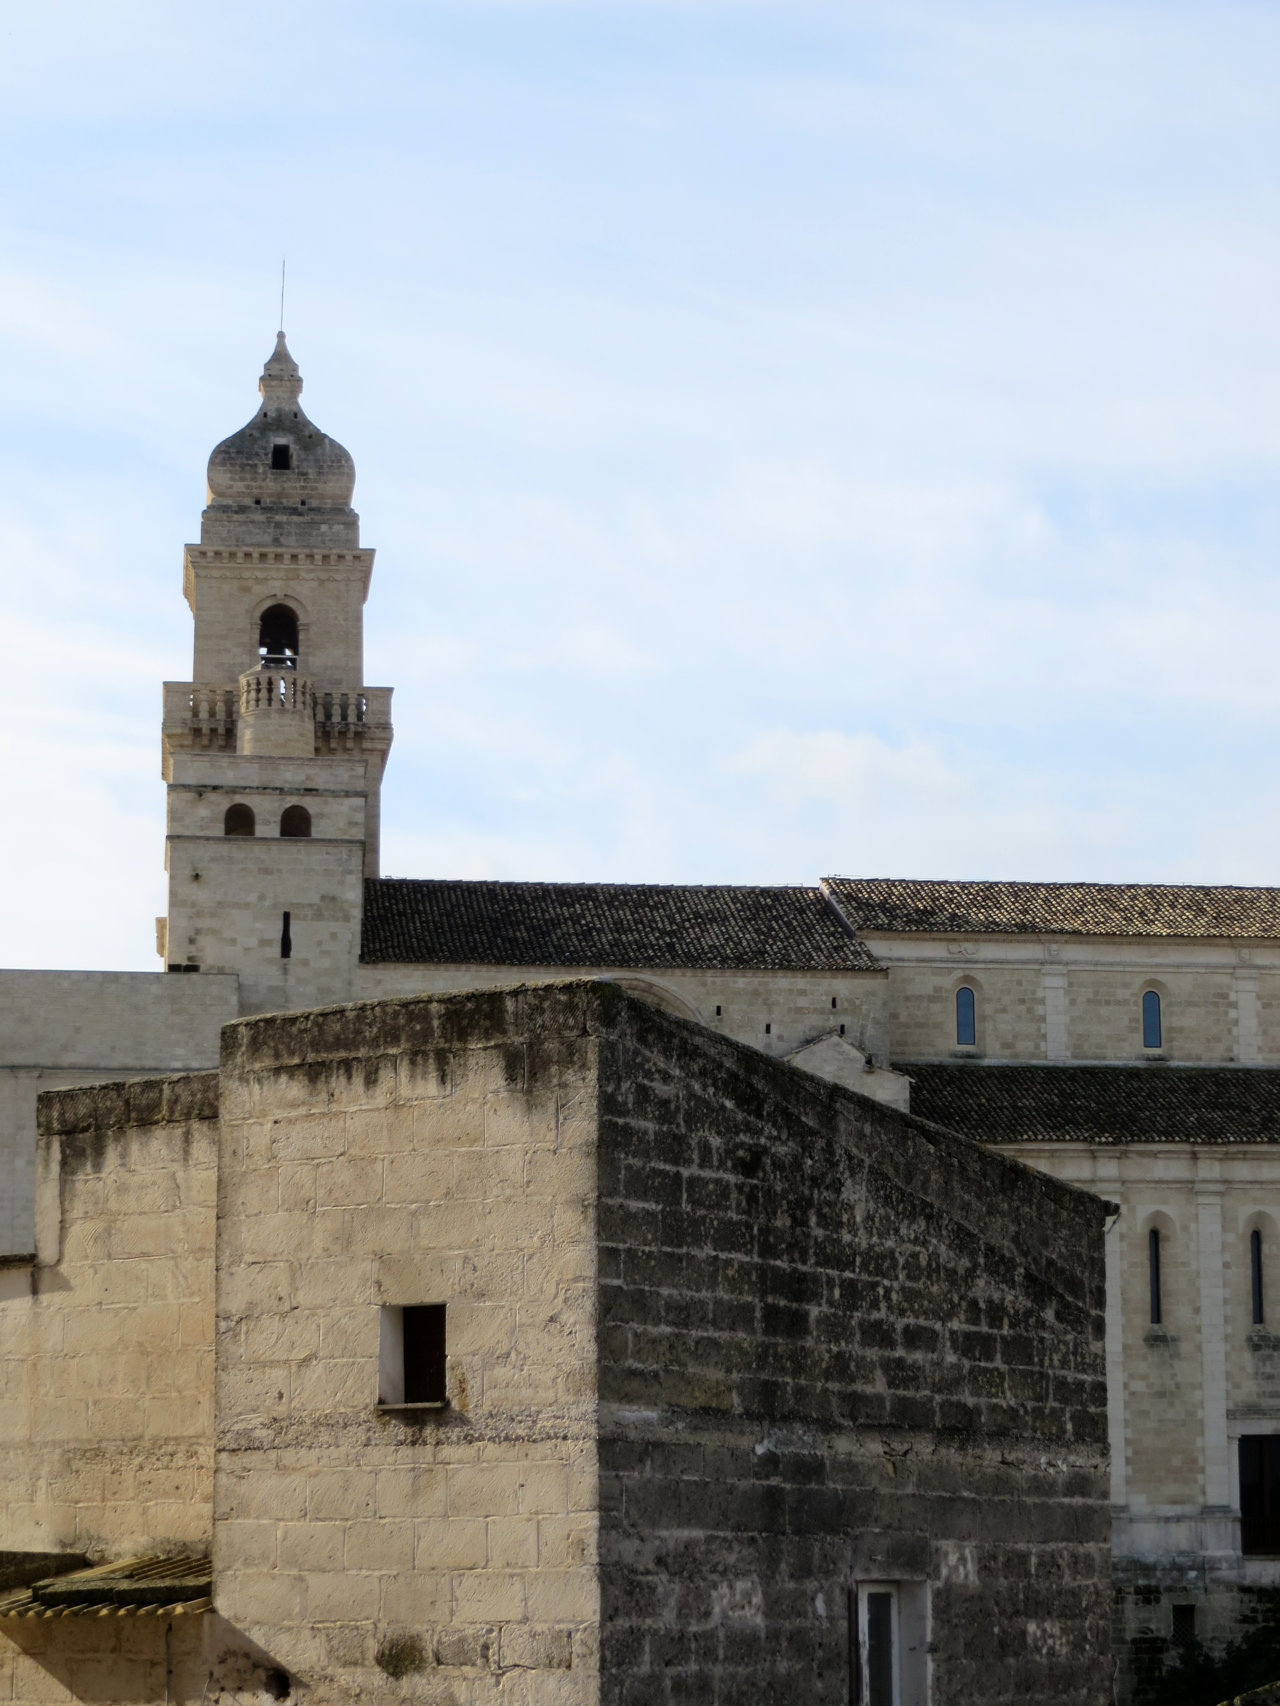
(837, 1343)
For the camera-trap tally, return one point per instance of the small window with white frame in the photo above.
(889, 1656)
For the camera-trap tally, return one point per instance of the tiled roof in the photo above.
(1100, 1104)
(134, 1587)
(606, 925)
(1067, 909)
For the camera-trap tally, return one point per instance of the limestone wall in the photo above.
(62, 1028)
(838, 1344)
(1184, 1390)
(1080, 1000)
(106, 1344)
(409, 1154)
(773, 1011)
(228, 589)
(1009, 1010)
(228, 895)
(808, 1341)
(1105, 1012)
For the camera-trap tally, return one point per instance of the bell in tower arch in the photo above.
(278, 637)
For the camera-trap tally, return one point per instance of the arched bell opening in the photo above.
(278, 636)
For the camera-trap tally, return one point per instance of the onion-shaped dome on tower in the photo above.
(280, 480)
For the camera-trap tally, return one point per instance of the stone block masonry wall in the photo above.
(804, 1342)
(106, 1344)
(411, 1153)
(837, 1344)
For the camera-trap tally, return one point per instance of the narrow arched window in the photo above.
(295, 820)
(278, 636)
(1255, 1275)
(1153, 1276)
(966, 1018)
(238, 821)
(1151, 1020)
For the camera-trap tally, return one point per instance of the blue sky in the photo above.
(796, 437)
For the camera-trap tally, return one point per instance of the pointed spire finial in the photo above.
(281, 382)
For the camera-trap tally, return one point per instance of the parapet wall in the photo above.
(106, 1343)
(838, 1345)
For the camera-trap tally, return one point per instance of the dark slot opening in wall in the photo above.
(424, 1354)
(855, 1651)
(1260, 1494)
(281, 456)
(1255, 1275)
(412, 1355)
(833, 1003)
(1153, 1276)
(881, 1662)
(286, 939)
(1184, 1625)
(295, 821)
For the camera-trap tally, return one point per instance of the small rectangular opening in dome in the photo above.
(281, 456)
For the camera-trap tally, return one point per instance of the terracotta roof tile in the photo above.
(152, 1585)
(1066, 909)
(1100, 1104)
(606, 925)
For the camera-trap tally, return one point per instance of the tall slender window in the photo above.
(882, 1663)
(1255, 1275)
(1151, 1020)
(966, 1018)
(1153, 1275)
(1260, 1494)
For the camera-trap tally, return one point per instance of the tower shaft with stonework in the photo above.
(274, 751)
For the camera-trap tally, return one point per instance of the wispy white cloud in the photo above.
(796, 436)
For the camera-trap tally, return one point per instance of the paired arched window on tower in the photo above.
(278, 636)
(295, 821)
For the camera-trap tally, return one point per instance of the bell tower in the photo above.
(274, 752)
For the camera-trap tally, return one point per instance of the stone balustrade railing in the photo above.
(280, 691)
(204, 708)
(208, 716)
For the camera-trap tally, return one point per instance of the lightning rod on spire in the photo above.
(282, 260)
